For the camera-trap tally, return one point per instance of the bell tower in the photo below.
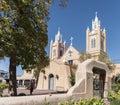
(95, 38)
(57, 48)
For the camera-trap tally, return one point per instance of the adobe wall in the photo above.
(84, 80)
(82, 89)
(61, 83)
(34, 100)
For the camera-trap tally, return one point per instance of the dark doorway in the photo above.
(98, 82)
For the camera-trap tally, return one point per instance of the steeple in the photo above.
(58, 37)
(96, 18)
(57, 48)
(104, 29)
(88, 28)
(95, 38)
(95, 22)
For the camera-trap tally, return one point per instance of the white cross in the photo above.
(70, 52)
(71, 40)
(96, 13)
(58, 28)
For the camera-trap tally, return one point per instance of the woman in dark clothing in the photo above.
(31, 87)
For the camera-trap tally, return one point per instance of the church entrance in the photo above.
(51, 82)
(98, 82)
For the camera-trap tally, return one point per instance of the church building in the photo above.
(64, 61)
(57, 75)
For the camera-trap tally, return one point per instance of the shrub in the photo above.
(114, 95)
(91, 101)
(116, 87)
(47, 103)
(72, 79)
(115, 102)
(95, 101)
(3, 86)
(27, 87)
(114, 98)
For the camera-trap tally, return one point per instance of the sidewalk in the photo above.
(27, 92)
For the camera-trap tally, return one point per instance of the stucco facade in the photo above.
(61, 75)
(61, 59)
(25, 79)
(57, 74)
(84, 85)
(116, 71)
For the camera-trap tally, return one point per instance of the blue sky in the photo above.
(76, 17)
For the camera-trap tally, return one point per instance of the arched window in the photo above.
(54, 53)
(93, 43)
(102, 44)
(51, 82)
(61, 52)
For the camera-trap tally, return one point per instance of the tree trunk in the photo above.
(12, 76)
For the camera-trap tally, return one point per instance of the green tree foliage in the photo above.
(84, 56)
(23, 34)
(101, 57)
(114, 94)
(116, 87)
(114, 98)
(104, 58)
(91, 101)
(73, 69)
(117, 78)
(115, 102)
(72, 79)
(3, 86)
(37, 73)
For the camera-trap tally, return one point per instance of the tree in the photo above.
(104, 58)
(73, 69)
(84, 56)
(23, 35)
(116, 78)
(101, 57)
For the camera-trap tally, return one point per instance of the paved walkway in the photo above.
(38, 92)
(27, 92)
(106, 101)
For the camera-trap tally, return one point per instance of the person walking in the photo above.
(31, 87)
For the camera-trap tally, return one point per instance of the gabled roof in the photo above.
(71, 53)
